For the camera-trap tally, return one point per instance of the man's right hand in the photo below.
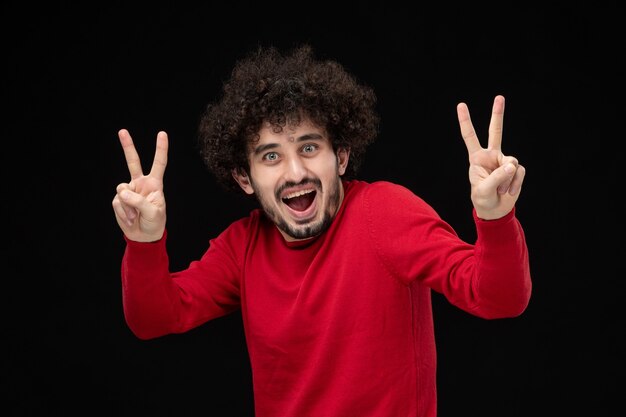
(139, 205)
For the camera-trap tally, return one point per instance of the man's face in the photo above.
(295, 175)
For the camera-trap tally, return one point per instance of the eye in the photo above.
(309, 148)
(271, 156)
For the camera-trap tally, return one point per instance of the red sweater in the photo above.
(339, 325)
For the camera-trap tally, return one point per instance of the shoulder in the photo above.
(242, 228)
(387, 195)
(376, 188)
(251, 220)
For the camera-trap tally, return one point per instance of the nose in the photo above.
(295, 170)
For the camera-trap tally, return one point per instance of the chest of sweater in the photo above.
(332, 288)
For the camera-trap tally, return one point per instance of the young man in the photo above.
(333, 275)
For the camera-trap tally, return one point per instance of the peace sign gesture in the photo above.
(496, 179)
(139, 205)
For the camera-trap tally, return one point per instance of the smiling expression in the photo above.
(296, 176)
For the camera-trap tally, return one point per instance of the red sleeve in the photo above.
(157, 302)
(490, 279)
(502, 271)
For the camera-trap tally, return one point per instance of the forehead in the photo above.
(289, 133)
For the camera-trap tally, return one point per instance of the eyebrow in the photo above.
(309, 136)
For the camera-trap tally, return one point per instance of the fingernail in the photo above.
(509, 168)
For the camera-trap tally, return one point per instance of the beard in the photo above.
(308, 228)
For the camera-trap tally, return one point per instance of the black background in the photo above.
(73, 76)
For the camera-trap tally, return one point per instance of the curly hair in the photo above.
(283, 89)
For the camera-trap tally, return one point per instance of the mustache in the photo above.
(314, 181)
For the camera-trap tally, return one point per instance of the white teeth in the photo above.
(298, 193)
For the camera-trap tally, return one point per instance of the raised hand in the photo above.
(496, 179)
(139, 205)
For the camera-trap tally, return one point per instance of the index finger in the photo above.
(160, 156)
(130, 153)
(467, 128)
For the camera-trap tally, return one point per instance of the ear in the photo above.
(243, 180)
(343, 155)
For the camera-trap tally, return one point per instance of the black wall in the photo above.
(75, 75)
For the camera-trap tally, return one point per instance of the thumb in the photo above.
(134, 200)
(501, 178)
(508, 172)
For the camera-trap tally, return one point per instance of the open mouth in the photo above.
(300, 201)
